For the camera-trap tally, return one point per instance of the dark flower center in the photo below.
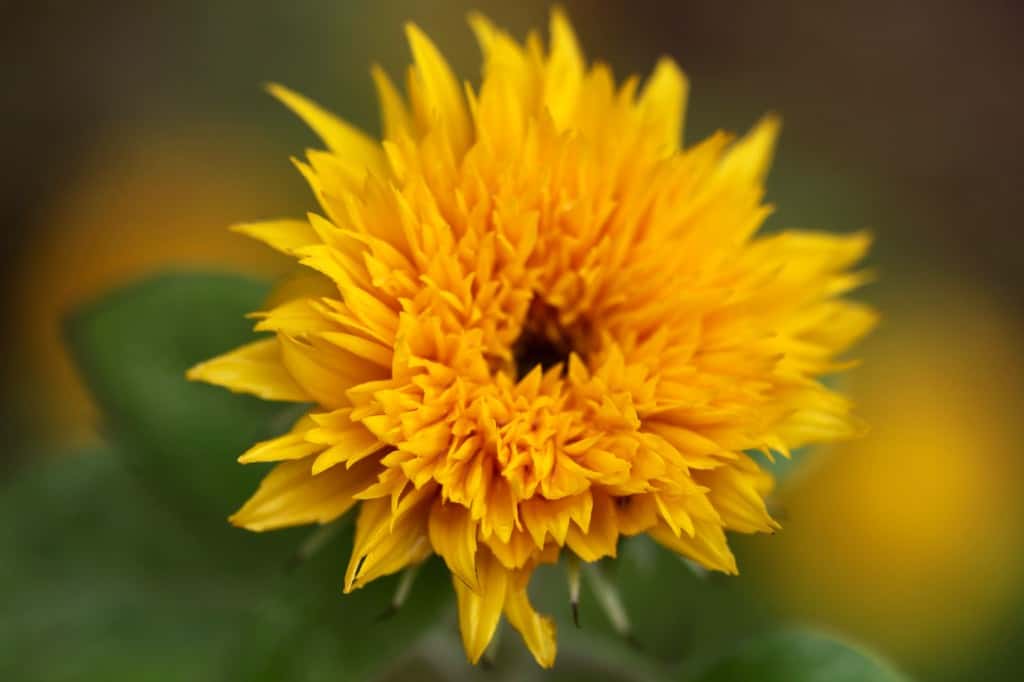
(536, 348)
(544, 341)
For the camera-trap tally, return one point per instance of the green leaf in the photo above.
(309, 631)
(133, 348)
(103, 583)
(799, 656)
(679, 610)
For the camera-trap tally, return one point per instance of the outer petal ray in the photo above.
(479, 611)
(538, 631)
(255, 368)
(349, 143)
(290, 495)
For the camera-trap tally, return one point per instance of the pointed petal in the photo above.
(748, 160)
(438, 95)
(663, 103)
(538, 631)
(303, 283)
(484, 30)
(386, 540)
(737, 492)
(543, 518)
(298, 316)
(255, 368)
(347, 141)
(564, 44)
(636, 513)
(601, 538)
(348, 441)
(324, 371)
(394, 113)
(453, 536)
(708, 546)
(480, 611)
(506, 64)
(290, 495)
(565, 69)
(363, 347)
(282, 235)
(517, 552)
(292, 445)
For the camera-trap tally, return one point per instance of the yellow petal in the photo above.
(364, 348)
(484, 30)
(663, 103)
(290, 495)
(453, 536)
(437, 93)
(480, 610)
(636, 513)
(748, 160)
(386, 541)
(672, 509)
(394, 114)
(602, 536)
(338, 176)
(564, 43)
(517, 552)
(303, 284)
(298, 316)
(506, 64)
(349, 441)
(323, 371)
(332, 205)
(256, 368)
(544, 518)
(835, 325)
(283, 235)
(708, 546)
(737, 492)
(565, 70)
(538, 631)
(348, 142)
(292, 445)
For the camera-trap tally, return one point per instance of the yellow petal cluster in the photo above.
(531, 322)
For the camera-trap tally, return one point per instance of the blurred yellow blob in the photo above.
(912, 537)
(145, 204)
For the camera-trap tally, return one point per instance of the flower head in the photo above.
(532, 323)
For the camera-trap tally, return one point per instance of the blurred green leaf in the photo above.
(799, 656)
(677, 611)
(133, 348)
(308, 631)
(676, 615)
(105, 584)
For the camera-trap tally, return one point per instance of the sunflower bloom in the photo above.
(531, 323)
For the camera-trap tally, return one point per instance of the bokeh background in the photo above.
(133, 133)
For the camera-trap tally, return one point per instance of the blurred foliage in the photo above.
(133, 348)
(798, 656)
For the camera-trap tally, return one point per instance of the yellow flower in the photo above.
(534, 324)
